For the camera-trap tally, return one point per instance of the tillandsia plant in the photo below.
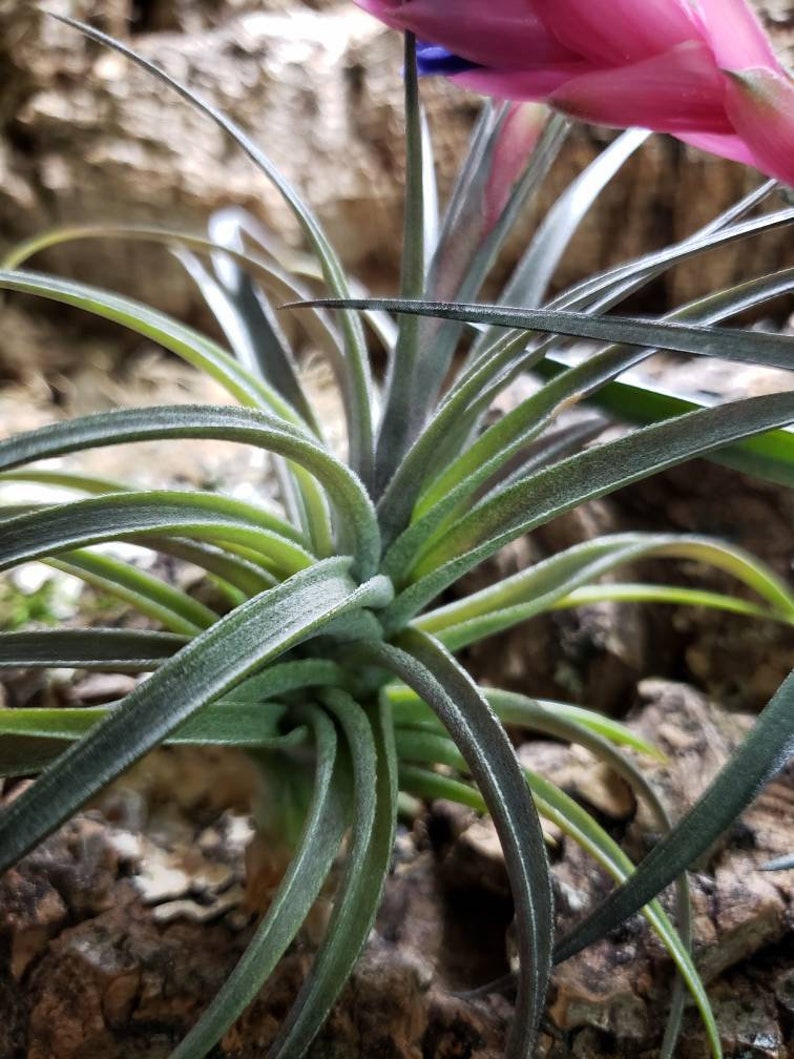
(332, 646)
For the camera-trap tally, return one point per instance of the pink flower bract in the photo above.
(702, 70)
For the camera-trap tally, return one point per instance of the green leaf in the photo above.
(400, 391)
(188, 344)
(151, 596)
(249, 323)
(756, 347)
(150, 513)
(319, 843)
(235, 577)
(502, 361)
(253, 333)
(431, 786)
(286, 677)
(409, 711)
(369, 737)
(357, 391)
(127, 650)
(673, 595)
(31, 739)
(558, 582)
(531, 277)
(212, 663)
(608, 288)
(467, 248)
(447, 438)
(172, 335)
(437, 678)
(589, 728)
(273, 279)
(763, 753)
(590, 379)
(80, 483)
(542, 496)
(358, 524)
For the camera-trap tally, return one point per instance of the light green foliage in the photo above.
(19, 608)
(331, 657)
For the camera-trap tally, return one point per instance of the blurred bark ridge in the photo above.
(87, 138)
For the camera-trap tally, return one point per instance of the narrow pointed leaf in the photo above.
(436, 677)
(597, 471)
(358, 381)
(322, 835)
(211, 664)
(400, 397)
(119, 650)
(758, 347)
(764, 751)
(358, 525)
(528, 283)
(370, 740)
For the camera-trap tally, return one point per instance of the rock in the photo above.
(476, 861)
(133, 977)
(30, 917)
(750, 911)
(603, 989)
(748, 1022)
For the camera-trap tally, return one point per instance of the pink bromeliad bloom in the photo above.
(702, 70)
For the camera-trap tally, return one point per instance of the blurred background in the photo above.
(88, 138)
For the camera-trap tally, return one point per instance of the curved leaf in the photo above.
(320, 840)
(175, 610)
(436, 677)
(41, 534)
(595, 472)
(358, 523)
(358, 387)
(251, 329)
(31, 739)
(763, 753)
(370, 740)
(273, 279)
(172, 335)
(554, 582)
(209, 665)
(120, 650)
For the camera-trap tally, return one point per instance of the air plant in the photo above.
(335, 643)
